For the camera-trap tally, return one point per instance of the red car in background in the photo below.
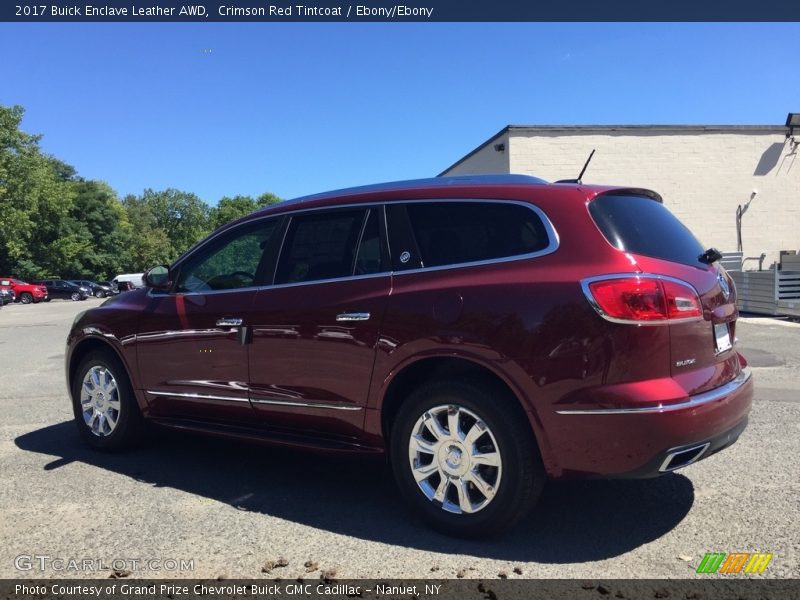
(26, 292)
(488, 333)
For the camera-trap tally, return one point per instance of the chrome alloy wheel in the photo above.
(455, 459)
(100, 402)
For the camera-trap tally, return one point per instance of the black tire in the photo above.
(129, 423)
(523, 474)
(25, 298)
(47, 299)
(75, 296)
(100, 294)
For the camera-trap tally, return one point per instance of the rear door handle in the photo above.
(229, 322)
(353, 316)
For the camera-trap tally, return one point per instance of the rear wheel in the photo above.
(464, 459)
(25, 298)
(103, 402)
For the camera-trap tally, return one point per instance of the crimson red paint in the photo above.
(573, 323)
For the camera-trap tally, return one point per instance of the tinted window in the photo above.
(320, 246)
(401, 239)
(450, 233)
(370, 256)
(644, 226)
(229, 264)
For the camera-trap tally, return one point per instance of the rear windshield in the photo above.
(641, 225)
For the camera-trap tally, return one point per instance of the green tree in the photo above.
(35, 201)
(268, 198)
(101, 220)
(148, 245)
(229, 209)
(181, 215)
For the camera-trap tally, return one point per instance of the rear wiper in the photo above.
(711, 255)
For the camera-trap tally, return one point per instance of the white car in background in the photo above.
(135, 278)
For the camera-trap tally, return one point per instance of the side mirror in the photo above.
(158, 278)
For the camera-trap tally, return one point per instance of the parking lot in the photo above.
(232, 508)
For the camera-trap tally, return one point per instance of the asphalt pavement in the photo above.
(185, 506)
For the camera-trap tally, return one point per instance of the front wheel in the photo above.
(75, 296)
(464, 457)
(105, 408)
(25, 298)
(100, 294)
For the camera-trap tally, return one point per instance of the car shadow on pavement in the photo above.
(355, 496)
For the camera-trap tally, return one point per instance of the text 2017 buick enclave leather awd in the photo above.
(487, 332)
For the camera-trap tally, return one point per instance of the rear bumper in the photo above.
(648, 441)
(687, 454)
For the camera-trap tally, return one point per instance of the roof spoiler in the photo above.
(633, 192)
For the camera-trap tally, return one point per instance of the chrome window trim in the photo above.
(692, 402)
(590, 297)
(280, 285)
(554, 241)
(552, 233)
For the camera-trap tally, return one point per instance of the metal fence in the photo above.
(770, 292)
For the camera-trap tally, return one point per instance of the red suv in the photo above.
(26, 292)
(487, 333)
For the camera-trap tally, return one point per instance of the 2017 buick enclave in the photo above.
(488, 333)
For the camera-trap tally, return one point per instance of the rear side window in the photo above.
(450, 233)
(642, 225)
(370, 257)
(321, 246)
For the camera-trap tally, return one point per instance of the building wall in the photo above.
(703, 174)
(485, 159)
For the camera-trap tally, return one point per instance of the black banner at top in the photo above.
(396, 11)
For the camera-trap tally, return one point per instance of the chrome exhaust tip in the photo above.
(683, 457)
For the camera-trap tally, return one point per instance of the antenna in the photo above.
(583, 170)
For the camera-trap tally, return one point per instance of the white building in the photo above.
(703, 172)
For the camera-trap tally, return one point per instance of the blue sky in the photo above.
(225, 109)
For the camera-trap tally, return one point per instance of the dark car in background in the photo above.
(488, 333)
(96, 289)
(112, 285)
(7, 296)
(61, 288)
(26, 293)
(124, 286)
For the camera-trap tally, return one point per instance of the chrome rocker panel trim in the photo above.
(194, 396)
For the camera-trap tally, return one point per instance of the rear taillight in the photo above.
(642, 299)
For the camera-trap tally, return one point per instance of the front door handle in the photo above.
(229, 322)
(353, 316)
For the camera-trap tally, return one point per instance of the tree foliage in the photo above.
(229, 209)
(57, 224)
